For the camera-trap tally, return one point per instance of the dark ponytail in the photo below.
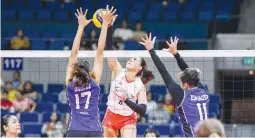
(81, 73)
(145, 74)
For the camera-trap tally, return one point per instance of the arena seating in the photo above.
(191, 12)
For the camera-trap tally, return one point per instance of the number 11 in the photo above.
(200, 110)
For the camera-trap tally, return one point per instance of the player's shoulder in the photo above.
(139, 82)
(93, 82)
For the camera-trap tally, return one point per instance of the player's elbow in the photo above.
(142, 114)
(143, 110)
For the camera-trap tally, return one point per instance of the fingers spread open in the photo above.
(81, 11)
(171, 40)
(142, 43)
(143, 39)
(114, 11)
(168, 43)
(85, 14)
(176, 41)
(146, 36)
(76, 15)
(78, 12)
(154, 39)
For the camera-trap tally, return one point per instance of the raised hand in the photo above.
(114, 19)
(172, 46)
(147, 42)
(82, 20)
(109, 15)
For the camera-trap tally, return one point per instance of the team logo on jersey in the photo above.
(81, 89)
(199, 97)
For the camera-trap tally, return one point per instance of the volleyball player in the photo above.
(210, 128)
(127, 87)
(191, 98)
(82, 86)
(10, 126)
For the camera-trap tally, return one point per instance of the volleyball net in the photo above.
(228, 75)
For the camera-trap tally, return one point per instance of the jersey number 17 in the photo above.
(82, 95)
(201, 110)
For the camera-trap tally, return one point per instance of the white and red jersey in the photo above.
(120, 83)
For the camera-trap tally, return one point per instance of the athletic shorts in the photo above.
(77, 133)
(116, 121)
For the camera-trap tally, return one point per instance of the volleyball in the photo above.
(97, 19)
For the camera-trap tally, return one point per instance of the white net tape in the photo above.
(184, 53)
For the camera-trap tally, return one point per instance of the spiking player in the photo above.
(82, 86)
(192, 97)
(127, 87)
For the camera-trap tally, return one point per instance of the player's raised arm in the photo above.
(173, 50)
(180, 61)
(113, 62)
(174, 89)
(83, 22)
(98, 62)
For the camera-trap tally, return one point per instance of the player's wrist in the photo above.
(151, 50)
(81, 26)
(174, 53)
(123, 98)
(105, 23)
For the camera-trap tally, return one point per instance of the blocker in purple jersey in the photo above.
(83, 102)
(193, 108)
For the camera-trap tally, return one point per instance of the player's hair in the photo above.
(81, 73)
(210, 128)
(4, 122)
(214, 135)
(144, 73)
(191, 76)
(151, 130)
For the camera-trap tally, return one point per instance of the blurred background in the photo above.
(33, 87)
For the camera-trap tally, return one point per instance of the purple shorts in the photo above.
(77, 133)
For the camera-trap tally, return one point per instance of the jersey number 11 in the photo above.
(201, 112)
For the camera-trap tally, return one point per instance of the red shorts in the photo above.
(116, 121)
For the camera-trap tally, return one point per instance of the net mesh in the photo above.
(228, 75)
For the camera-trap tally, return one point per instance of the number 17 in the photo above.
(83, 94)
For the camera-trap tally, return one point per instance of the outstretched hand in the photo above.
(172, 46)
(147, 42)
(82, 20)
(109, 15)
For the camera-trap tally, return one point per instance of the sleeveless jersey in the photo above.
(193, 108)
(114, 103)
(83, 103)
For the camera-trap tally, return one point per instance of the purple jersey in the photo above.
(193, 108)
(83, 103)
